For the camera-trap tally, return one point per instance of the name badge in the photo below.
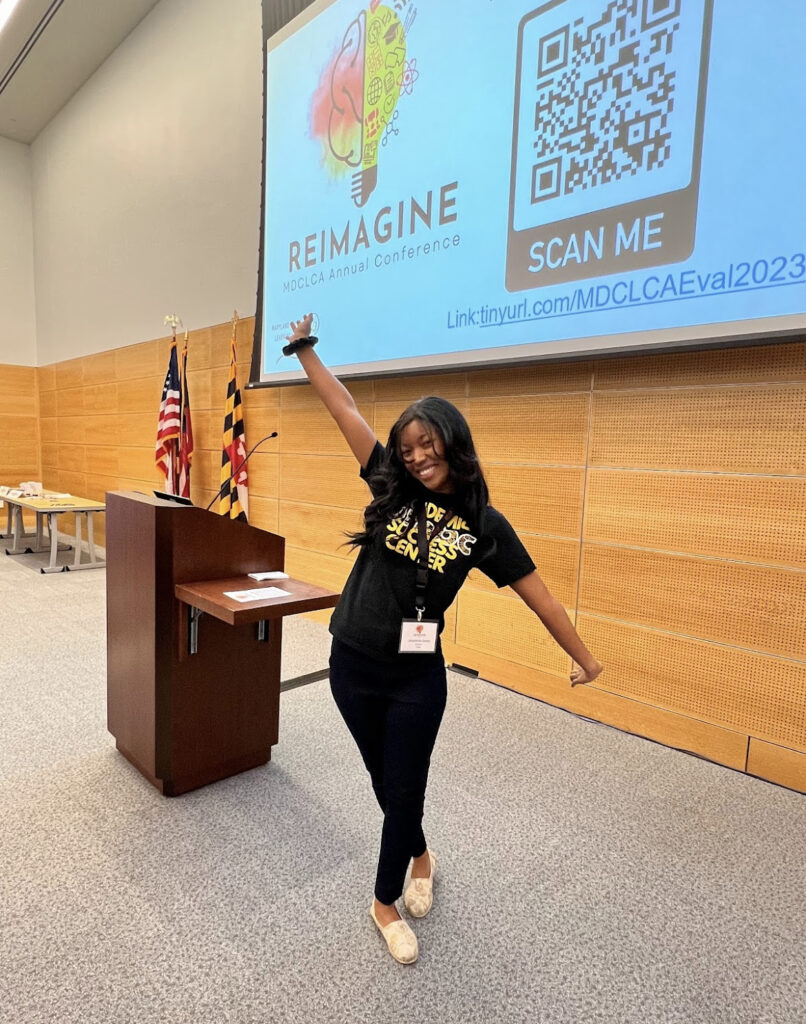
(418, 637)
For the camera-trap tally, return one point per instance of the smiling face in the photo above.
(423, 454)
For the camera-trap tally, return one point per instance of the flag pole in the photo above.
(233, 497)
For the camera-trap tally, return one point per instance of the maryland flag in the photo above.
(186, 434)
(166, 454)
(234, 500)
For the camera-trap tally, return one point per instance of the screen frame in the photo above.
(281, 19)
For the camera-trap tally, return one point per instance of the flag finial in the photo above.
(173, 321)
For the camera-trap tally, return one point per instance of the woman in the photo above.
(428, 524)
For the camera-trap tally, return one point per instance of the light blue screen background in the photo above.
(457, 126)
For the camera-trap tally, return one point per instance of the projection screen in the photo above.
(449, 185)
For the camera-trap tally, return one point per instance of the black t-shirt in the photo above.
(380, 590)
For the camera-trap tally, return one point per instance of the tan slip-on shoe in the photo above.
(400, 939)
(419, 894)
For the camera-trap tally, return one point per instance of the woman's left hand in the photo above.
(586, 675)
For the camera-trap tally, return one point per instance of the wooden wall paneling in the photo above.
(205, 475)
(760, 519)
(138, 464)
(71, 429)
(135, 430)
(683, 430)
(139, 362)
(208, 429)
(72, 458)
(20, 450)
(18, 390)
(106, 428)
(733, 603)
(100, 398)
(402, 391)
(326, 570)
(46, 378)
(199, 349)
(319, 528)
(47, 404)
(717, 743)
(757, 429)
(50, 460)
(104, 461)
(243, 346)
(215, 342)
(302, 395)
(261, 416)
(71, 483)
(537, 379)
(200, 389)
(503, 626)
(100, 368)
(323, 480)
(21, 462)
(755, 364)
(99, 483)
(70, 402)
(757, 694)
(557, 561)
(538, 499)
(141, 395)
(311, 429)
(219, 378)
(777, 764)
(263, 472)
(16, 430)
(47, 430)
(263, 513)
(68, 374)
(541, 428)
(220, 343)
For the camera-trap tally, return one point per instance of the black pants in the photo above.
(393, 712)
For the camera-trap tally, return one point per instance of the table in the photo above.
(47, 508)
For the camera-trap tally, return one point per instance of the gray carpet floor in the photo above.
(584, 875)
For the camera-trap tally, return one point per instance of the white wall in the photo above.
(17, 311)
(146, 186)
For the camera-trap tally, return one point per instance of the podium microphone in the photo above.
(235, 472)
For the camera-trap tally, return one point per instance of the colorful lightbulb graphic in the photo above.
(358, 95)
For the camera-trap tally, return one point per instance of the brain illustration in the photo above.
(364, 89)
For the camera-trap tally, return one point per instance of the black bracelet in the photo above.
(298, 343)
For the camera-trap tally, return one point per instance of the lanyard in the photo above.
(423, 548)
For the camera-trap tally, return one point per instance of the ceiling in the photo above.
(49, 49)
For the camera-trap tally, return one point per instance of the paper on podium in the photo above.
(258, 594)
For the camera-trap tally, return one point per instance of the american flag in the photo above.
(234, 500)
(186, 435)
(168, 425)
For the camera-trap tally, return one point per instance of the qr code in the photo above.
(605, 94)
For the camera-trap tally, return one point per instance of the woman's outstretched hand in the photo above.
(301, 328)
(586, 675)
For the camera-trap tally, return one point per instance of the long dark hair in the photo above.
(394, 487)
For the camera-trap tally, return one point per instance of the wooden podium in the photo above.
(187, 719)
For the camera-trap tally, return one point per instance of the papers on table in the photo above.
(258, 594)
(260, 576)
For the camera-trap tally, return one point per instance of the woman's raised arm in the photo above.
(334, 395)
